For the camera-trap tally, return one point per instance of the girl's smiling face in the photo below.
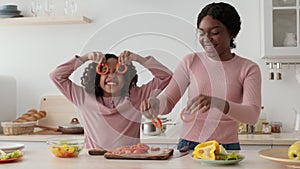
(112, 83)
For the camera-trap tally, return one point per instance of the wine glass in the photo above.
(49, 5)
(35, 7)
(70, 7)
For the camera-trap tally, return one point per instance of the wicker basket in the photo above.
(17, 128)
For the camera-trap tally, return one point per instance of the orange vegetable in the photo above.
(207, 150)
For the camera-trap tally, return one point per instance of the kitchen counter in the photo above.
(245, 139)
(280, 139)
(41, 157)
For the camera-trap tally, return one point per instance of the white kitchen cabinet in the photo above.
(280, 30)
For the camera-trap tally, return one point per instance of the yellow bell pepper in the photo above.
(207, 150)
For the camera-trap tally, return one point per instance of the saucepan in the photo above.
(74, 127)
(148, 128)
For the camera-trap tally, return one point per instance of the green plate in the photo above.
(219, 162)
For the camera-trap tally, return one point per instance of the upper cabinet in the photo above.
(280, 25)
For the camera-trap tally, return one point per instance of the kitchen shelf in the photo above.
(45, 20)
(282, 59)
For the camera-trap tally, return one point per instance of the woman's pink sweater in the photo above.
(238, 81)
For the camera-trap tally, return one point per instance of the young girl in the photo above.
(109, 98)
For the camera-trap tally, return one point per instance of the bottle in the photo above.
(276, 127)
(266, 128)
(262, 118)
(297, 120)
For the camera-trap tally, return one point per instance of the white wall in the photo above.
(161, 28)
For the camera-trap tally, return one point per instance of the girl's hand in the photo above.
(127, 57)
(96, 56)
(150, 108)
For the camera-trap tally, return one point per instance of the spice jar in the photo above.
(266, 128)
(276, 127)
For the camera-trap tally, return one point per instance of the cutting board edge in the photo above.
(161, 156)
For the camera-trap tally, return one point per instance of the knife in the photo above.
(178, 154)
(97, 152)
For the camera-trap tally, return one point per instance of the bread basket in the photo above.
(17, 128)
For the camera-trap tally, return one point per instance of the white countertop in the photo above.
(245, 139)
(41, 157)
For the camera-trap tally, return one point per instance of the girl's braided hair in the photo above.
(91, 80)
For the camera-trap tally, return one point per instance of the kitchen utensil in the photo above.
(178, 154)
(73, 128)
(185, 148)
(163, 154)
(148, 128)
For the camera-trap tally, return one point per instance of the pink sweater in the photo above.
(238, 81)
(107, 127)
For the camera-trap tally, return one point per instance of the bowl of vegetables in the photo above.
(66, 147)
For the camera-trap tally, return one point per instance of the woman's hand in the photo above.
(97, 57)
(150, 108)
(203, 103)
(127, 57)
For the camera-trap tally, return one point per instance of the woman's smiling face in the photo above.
(112, 83)
(214, 37)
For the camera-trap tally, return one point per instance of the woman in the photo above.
(109, 99)
(223, 87)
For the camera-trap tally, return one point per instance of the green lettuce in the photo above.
(224, 155)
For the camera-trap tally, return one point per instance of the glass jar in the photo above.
(266, 128)
(276, 127)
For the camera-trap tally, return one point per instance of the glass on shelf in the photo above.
(36, 7)
(49, 6)
(70, 7)
(284, 24)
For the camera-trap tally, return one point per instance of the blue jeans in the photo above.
(192, 145)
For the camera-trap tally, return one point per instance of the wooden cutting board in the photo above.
(164, 154)
(59, 110)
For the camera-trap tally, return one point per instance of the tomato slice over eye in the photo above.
(121, 68)
(102, 69)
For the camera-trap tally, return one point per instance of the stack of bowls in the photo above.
(9, 11)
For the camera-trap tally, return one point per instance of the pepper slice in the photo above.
(157, 122)
(102, 68)
(207, 150)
